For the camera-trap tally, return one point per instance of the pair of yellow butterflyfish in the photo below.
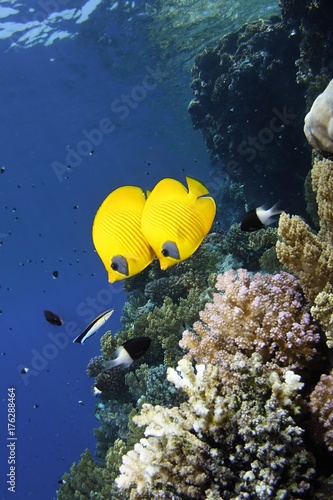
(130, 228)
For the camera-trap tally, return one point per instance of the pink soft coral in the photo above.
(260, 313)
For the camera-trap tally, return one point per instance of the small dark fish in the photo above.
(24, 371)
(93, 326)
(258, 218)
(130, 351)
(53, 318)
(62, 481)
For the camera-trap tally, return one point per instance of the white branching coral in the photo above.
(220, 443)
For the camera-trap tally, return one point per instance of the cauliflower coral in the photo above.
(263, 313)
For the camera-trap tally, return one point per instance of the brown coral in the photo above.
(303, 253)
(322, 183)
(310, 255)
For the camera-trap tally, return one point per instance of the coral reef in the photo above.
(322, 183)
(85, 479)
(301, 251)
(149, 384)
(221, 443)
(237, 414)
(322, 310)
(248, 248)
(321, 405)
(250, 110)
(228, 422)
(251, 92)
(95, 366)
(236, 434)
(312, 20)
(162, 302)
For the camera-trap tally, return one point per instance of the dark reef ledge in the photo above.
(251, 93)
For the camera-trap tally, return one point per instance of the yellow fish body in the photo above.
(117, 235)
(175, 220)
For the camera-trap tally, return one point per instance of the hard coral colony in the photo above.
(235, 433)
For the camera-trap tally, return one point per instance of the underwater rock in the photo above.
(312, 20)
(318, 124)
(250, 109)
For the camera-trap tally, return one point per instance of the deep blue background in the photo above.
(45, 105)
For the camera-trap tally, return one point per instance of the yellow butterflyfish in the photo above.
(175, 220)
(117, 234)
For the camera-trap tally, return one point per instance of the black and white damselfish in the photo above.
(128, 352)
(92, 328)
(258, 218)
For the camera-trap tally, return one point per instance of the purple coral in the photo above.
(260, 313)
(321, 404)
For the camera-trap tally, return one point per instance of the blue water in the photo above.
(70, 135)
